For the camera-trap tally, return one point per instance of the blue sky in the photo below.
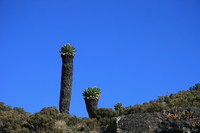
(134, 50)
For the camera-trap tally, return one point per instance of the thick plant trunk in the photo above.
(66, 83)
(91, 106)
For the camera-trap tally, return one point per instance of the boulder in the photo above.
(185, 120)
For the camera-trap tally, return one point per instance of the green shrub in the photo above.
(39, 123)
(19, 110)
(103, 113)
(105, 116)
(118, 106)
(12, 121)
(137, 108)
(182, 99)
(43, 121)
(5, 107)
(91, 124)
(62, 116)
(50, 112)
(196, 87)
(73, 120)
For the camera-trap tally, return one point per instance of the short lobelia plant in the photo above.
(91, 97)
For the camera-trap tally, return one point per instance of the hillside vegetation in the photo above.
(49, 120)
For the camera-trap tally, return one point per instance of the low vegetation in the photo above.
(49, 120)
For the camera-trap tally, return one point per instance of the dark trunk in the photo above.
(91, 106)
(66, 83)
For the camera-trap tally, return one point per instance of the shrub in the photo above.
(50, 112)
(39, 123)
(73, 120)
(5, 107)
(105, 116)
(19, 110)
(62, 116)
(103, 113)
(11, 121)
(118, 106)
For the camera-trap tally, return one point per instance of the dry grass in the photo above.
(61, 124)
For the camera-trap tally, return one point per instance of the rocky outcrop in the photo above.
(186, 120)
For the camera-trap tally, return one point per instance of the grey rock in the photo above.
(185, 120)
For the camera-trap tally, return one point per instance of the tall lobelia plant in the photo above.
(91, 97)
(67, 53)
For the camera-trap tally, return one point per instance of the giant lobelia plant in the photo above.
(67, 53)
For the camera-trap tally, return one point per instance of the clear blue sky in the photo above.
(134, 50)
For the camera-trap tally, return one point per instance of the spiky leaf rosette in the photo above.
(68, 49)
(92, 92)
